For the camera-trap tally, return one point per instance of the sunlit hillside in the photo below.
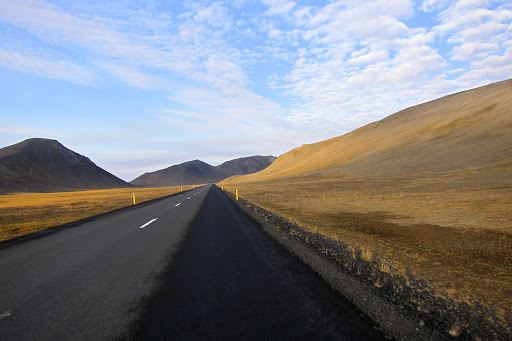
(471, 130)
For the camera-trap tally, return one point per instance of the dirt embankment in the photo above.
(403, 305)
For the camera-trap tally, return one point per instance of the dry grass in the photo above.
(454, 231)
(25, 213)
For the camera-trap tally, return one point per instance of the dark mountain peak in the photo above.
(30, 145)
(195, 166)
(186, 173)
(43, 151)
(194, 163)
(42, 140)
(245, 165)
(200, 172)
(39, 141)
(45, 165)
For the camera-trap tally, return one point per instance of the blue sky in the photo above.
(141, 85)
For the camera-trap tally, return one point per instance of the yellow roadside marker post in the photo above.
(133, 198)
(237, 194)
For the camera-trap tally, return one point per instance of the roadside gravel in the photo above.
(392, 306)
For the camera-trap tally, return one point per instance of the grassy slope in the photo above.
(429, 187)
(465, 130)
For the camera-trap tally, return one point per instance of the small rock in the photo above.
(456, 330)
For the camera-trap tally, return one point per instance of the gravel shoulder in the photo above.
(404, 308)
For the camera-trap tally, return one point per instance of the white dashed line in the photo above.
(7, 313)
(188, 198)
(149, 222)
(177, 204)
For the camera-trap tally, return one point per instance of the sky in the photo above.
(141, 85)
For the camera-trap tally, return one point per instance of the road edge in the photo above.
(54, 229)
(353, 277)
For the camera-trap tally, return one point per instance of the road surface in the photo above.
(191, 266)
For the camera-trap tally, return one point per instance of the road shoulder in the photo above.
(395, 321)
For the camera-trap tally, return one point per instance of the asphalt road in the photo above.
(191, 266)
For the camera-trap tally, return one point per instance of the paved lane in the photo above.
(85, 282)
(232, 281)
(191, 266)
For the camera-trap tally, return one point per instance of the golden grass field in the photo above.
(461, 241)
(25, 213)
(428, 188)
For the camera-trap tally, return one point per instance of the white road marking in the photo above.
(188, 198)
(149, 222)
(7, 313)
(177, 204)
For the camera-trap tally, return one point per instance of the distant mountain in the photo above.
(199, 172)
(187, 173)
(245, 165)
(43, 165)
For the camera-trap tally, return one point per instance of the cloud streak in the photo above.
(60, 69)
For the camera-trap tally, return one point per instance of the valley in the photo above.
(417, 205)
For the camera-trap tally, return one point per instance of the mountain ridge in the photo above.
(45, 165)
(198, 172)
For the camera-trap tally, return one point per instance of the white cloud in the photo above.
(362, 52)
(62, 70)
(474, 50)
(189, 52)
(359, 59)
(478, 33)
(496, 61)
(368, 58)
(279, 7)
(50, 25)
(432, 5)
(133, 77)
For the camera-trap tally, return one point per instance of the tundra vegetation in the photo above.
(24, 213)
(458, 240)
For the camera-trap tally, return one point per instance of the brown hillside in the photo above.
(467, 130)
